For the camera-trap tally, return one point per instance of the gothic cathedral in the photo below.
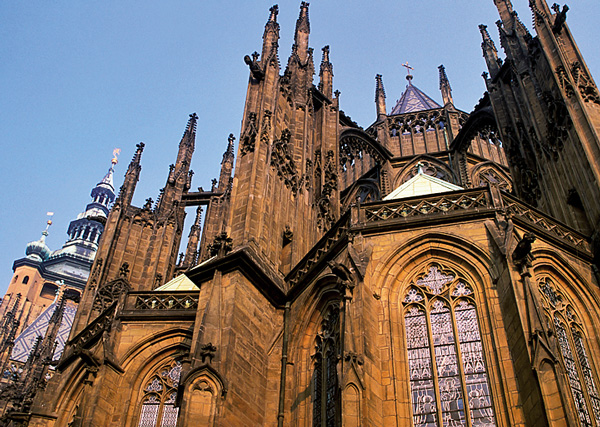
(436, 268)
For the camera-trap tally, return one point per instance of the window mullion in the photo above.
(434, 367)
(461, 370)
(581, 375)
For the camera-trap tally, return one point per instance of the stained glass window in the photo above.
(160, 393)
(448, 377)
(574, 354)
(325, 381)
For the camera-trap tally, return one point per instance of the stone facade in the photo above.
(313, 299)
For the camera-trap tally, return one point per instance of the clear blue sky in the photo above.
(79, 78)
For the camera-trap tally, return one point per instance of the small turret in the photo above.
(326, 74)
(38, 250)
(380, 97)
(445, 87)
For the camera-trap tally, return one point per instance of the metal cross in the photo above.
(408, 67)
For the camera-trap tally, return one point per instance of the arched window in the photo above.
(446, 364)
(25, 280)
(325, 381)
(160, 393)
(574, 352)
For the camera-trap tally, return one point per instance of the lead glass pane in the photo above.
(588, 377)
(446, 359)
(169, 417)
(149, 414)
(571, 367)
(421, 375)
(478, 390)
(318, 384)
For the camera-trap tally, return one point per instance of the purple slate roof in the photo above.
(26, 340)
(413, 99)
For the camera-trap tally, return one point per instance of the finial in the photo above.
(409, 76)
(274, 11)
(302, 24)
(116, 152)
(191, 127)
(325, 54)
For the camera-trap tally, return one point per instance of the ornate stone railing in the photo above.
(176, 300)
(439, 204)
(535, 217)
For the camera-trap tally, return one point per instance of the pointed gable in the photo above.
(180, 283)
(421, 185)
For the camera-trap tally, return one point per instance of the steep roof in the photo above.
(413, 99)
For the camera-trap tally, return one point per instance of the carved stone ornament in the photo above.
(207, 351)
(587, 89)
(521, 256)
(221, 245)
(109, 293)
(248, 138)
(283, 162)
(325, 211)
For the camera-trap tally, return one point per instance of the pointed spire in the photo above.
(326, 74)
(506, 11)
(445, 86)
(490, 53)
(131, 177)
(271, 35)
(191, 252)
(380, 97)
(226, 164)
(302, 32)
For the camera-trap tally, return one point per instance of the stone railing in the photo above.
(176, 300)
(415, 207)
(541, 220)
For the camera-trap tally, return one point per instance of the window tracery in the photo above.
(325, 381)
(160, 393)
(447, 371)
(571, 342)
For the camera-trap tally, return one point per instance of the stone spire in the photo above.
(131, 177)
(380, 97)
(180, 176)
(226, 164)
(191, 252)
(490, 53)
(302, 33)
(270, 36)
(326, 74)
(445, 86)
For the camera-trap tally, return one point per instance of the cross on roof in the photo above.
(408, 67)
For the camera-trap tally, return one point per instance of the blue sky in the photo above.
(79, 79)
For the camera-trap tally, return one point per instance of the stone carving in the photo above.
(582, 80)
(248, 138)
(109, 293)
(325, 210)
(255, 69)
(221, 245)
(522, 254)
(282, 159)
(558, 124)
(561, 17)
(207, 351)
(563, 81)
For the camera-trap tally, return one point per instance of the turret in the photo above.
(326, 74)
(445, 87)
(131, 178)
(380, 97)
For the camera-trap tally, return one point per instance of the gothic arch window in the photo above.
(25, 280)
(574, 351)
(325, 380)
(159, 395)
(448, 376)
